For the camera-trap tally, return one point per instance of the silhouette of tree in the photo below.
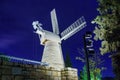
(95, 63)
(108, 25)
(108, 30)
(68, 62)
(95, 74)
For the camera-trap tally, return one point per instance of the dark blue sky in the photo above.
(16, 31)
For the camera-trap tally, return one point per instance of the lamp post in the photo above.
(88, 43)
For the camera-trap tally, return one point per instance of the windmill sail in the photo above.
(54, 22)
(74, 28)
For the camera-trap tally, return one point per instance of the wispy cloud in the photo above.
(7, 40)
(4, 43)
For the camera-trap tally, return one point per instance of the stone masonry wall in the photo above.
(18, 71)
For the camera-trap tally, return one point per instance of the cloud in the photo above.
(7, 40)
(4, 43)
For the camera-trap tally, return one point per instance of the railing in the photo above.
(22, 60)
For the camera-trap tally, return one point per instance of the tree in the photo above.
(83, 74)
(108, 29)
(116, 65)
(95, 74)
(108, 25)
(3, 57)
(68, 62)
(95, 63)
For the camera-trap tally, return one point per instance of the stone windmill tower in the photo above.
(52, 40)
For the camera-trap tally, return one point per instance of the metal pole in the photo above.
(86, 58)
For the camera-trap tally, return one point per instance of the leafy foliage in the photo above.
(108, 30)
(68, 62)
(116, 65)
(95, 66)
(83, 74)
(108, 25)
(94, 74)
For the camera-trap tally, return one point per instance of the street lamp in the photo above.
(88, 44)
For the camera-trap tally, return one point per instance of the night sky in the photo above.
(16, 31)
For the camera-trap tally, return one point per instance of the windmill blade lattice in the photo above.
(74, 28)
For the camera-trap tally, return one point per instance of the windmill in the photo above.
(52, 53)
